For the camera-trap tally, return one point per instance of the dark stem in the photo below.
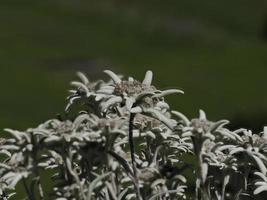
(246, 173)
(28, 192)
(201, 192)
(132, 150)
(225, 175)
(4, 196)
(36, 168)
(131, 142)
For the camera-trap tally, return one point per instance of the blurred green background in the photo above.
(216, 51)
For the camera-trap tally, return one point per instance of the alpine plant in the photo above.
(120, 140)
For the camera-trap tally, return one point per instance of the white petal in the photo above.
(83, 78)
(148, 78)
(202, 115)
(113, 76)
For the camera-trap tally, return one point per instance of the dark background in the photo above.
(216, 51)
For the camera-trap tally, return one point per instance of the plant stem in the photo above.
(40, 188)
(132, 150)
(28, 192)
(36, 169)
(4, 196)
(201, 192)
(225, 182)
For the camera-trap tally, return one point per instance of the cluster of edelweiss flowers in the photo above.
(120, 140)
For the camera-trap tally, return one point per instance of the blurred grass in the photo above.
(211, 49)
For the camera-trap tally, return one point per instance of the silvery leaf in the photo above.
(260, 189)
(93, 184)
(182, 117)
